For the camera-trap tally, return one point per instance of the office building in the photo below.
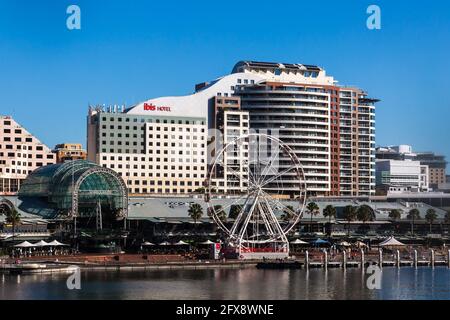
(398, 176)
(436, 163)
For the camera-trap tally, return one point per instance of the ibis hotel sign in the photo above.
(152, 107)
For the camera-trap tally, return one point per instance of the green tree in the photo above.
(413, 215)
(364, 213)
(395, 214)
(13, 217)
(313, 210)
(330, 213)
(288, 214)
(234, 211)
(431, 216)
(349, 216)
(195, 212)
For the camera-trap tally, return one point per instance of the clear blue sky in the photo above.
(129, 51)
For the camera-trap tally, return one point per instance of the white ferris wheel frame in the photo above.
(265, 207)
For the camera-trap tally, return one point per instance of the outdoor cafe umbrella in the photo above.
(24, 244)
(344, 244)
(165, 243)
(391, 242)
(207, 242)
(41, 243)
(298, 241)
(360, 244)
(181, 243)
(56, 243)
(146, 243)
(320, 241)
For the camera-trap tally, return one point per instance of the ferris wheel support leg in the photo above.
(247, 220)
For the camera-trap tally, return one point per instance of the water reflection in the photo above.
(336, 284)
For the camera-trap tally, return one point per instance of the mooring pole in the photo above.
(448, 258)
(325, 258)
(415, 258)
(432, 258)
(344, 259)
(398, 258)
(307, 259)
(380, 258)
(363, 262)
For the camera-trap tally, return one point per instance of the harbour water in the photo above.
(336, 284)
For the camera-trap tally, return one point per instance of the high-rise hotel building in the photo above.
(331, 128)
(160, 146)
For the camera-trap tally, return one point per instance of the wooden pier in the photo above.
(344, 262)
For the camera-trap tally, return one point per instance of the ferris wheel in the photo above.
(256, 194)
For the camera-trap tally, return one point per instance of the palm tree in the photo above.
(330, 212)
(364, 213)
(413, 215)
(13, 217)
(313, 209)
(195, 212)
(234, 211)
(288, 214)
(349, 215)
(395, 214)
(431, 216)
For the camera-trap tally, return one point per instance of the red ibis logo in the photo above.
(152, 107)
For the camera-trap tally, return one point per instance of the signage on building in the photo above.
(152, 107)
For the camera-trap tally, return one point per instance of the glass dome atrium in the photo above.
(77, 188)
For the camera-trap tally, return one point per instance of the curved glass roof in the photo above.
(92, 183)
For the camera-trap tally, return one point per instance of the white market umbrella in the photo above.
(345, 244)
(56, 243)
(165, 243)
(360, 244)
(181, 243)
(146, 243)
(391, 242)
(207, 242)
(41, 243)
(24, 244)
(298, 241)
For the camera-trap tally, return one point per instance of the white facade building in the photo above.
(398, 176)
(20, 154)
